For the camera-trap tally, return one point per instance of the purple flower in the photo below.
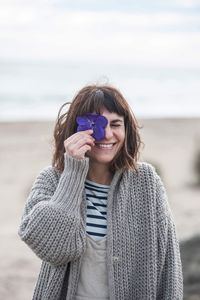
(93, 121)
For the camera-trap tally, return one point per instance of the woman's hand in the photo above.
(79, 143)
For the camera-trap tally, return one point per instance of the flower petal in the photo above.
(82, 120)
(92, 117)
(99, 133)
(93, 121)
(83, 127)
(101, 121)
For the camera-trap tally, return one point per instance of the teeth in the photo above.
(105, 146)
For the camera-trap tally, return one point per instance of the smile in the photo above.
(104, 146)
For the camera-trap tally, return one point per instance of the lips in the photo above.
(104, 146)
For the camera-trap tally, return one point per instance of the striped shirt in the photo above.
(96, 197)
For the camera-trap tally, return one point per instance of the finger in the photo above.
(80, 153)
(84, 149)
(77, 143)
(88, 131)
(83, 141)
(78, 135)
(74, 145)
(73, 149)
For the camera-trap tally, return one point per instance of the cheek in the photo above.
(121, 137)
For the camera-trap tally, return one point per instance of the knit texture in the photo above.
(143, 255)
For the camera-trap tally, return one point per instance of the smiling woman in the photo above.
(99, 219)
(104, 101)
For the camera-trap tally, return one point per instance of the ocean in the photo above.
(36, 90)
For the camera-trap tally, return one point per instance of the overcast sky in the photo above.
(151, 33)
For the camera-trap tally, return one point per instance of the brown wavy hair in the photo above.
(93, 98)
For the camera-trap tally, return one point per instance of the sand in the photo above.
(25, 148)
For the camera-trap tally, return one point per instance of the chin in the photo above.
(101, 161)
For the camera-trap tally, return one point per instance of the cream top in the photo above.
(93, 280)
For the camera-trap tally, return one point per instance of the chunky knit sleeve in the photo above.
(170, 281)
(51, 224)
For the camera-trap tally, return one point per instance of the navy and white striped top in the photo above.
(96, 197)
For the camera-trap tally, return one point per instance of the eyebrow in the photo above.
(116, 120)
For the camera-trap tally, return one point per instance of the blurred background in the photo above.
(150, 50)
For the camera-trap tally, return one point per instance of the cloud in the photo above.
(126, 5)
(38, 31)
(188, 3)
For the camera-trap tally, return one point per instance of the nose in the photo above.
(108, 132)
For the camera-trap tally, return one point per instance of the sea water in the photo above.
(36, 90)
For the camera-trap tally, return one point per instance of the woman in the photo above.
(98, 218)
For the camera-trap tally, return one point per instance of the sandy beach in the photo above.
(26, 148)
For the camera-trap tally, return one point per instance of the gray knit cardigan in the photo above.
(143, 257)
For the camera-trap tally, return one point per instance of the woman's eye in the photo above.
(115, 125)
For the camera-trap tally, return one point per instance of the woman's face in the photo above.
(105, 150)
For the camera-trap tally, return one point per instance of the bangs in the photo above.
(101, 99)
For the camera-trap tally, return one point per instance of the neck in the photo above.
(99, 174)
